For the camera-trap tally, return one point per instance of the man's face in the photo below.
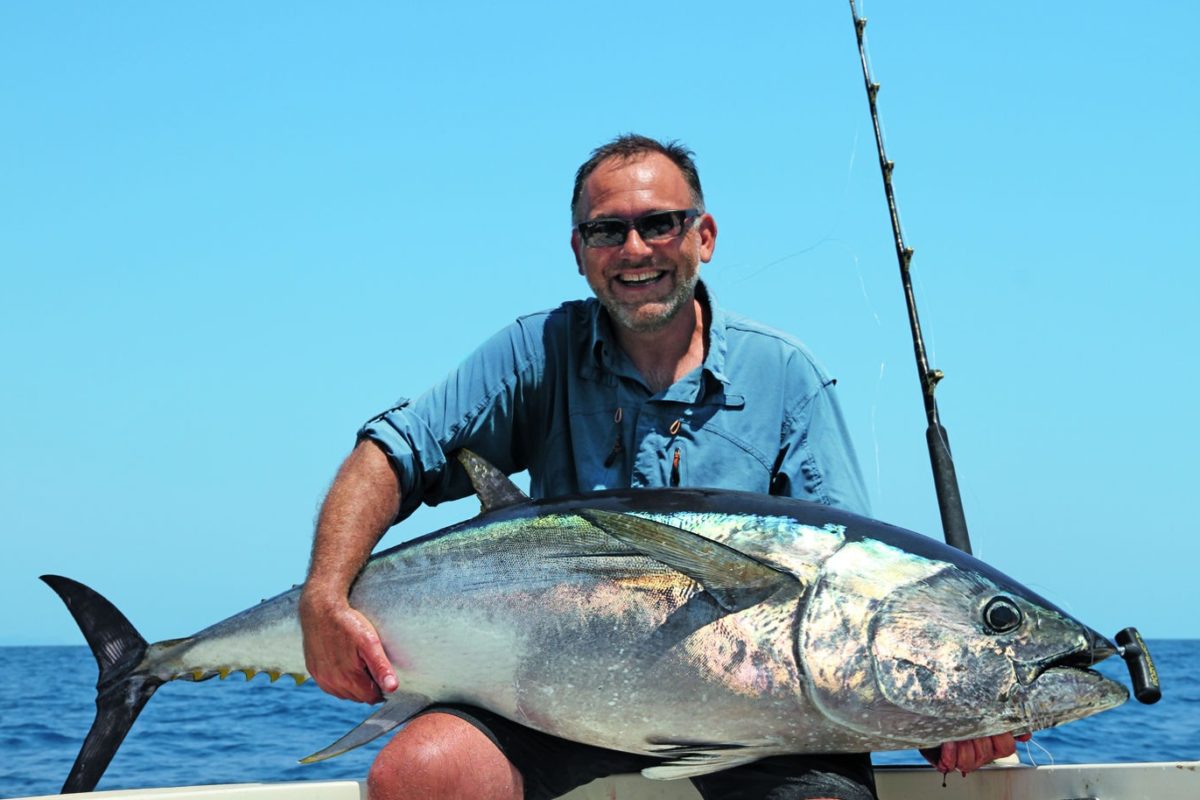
(642, 284)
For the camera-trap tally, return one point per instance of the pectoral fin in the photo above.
(734, 579)
(397, 709)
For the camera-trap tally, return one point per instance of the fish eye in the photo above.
(1002, 615)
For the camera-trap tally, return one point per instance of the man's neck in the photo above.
(664, 356)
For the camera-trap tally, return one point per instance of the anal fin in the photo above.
(398, 708)
(690, 760)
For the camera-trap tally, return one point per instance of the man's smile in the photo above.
(640, 278)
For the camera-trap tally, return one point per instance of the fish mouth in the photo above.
(1065, 694)
(1093, 648)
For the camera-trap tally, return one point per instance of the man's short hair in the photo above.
(629, 146)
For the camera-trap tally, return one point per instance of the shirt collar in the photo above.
(714, 359)
(607, 356)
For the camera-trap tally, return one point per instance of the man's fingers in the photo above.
(948, 758)
(971, 754)
(356, 686)
(982, 754)
(1003, 746)
(344, 655)
(365, 689)
(379, 668)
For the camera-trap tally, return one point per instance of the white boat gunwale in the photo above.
(1167, 780)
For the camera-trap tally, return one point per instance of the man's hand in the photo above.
(971, 754)
(343, 651)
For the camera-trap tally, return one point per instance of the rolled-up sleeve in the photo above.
(478, 406)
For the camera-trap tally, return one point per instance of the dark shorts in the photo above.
(552, 767)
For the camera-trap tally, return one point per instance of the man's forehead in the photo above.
(642, 174)
(646, 164)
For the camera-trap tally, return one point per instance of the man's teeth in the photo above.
(640, 277)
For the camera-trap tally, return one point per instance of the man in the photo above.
(651, 384)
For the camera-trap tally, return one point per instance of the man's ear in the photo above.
(707, 226)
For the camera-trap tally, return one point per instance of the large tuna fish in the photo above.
(710, 628)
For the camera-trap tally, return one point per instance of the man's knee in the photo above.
(442, 756)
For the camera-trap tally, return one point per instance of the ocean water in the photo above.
(242, 731)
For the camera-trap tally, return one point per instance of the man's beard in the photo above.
(640, 319)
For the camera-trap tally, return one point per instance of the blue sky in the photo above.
(230, 233)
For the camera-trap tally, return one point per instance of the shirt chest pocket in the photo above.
(717, 443)
(719, 451)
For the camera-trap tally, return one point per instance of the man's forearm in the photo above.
(362, 502)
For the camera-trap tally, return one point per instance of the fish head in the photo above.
(972, 653)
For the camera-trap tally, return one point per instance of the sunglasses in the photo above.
(653, 227)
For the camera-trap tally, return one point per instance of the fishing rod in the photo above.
(1129, 643)
(945, 480)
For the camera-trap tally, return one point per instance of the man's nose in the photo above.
(635, 246)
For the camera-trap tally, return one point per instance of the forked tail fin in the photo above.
(121, 691)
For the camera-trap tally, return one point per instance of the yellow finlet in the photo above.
(273, 674)
(223, 672)
(197, 674)
(298, 678)
(249, 672)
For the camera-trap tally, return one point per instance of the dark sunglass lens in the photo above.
(603, 232)
(661, 225)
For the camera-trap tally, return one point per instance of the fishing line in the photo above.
(1034, 725)
(862, 285)
(875, 434)
(853, 158)
(763, 267)
(1029, 752)
(824, 238)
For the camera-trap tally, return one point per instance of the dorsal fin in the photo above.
(494, 488)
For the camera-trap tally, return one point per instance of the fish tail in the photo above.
(121, 690)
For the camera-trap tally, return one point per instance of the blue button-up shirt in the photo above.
(555, 394)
